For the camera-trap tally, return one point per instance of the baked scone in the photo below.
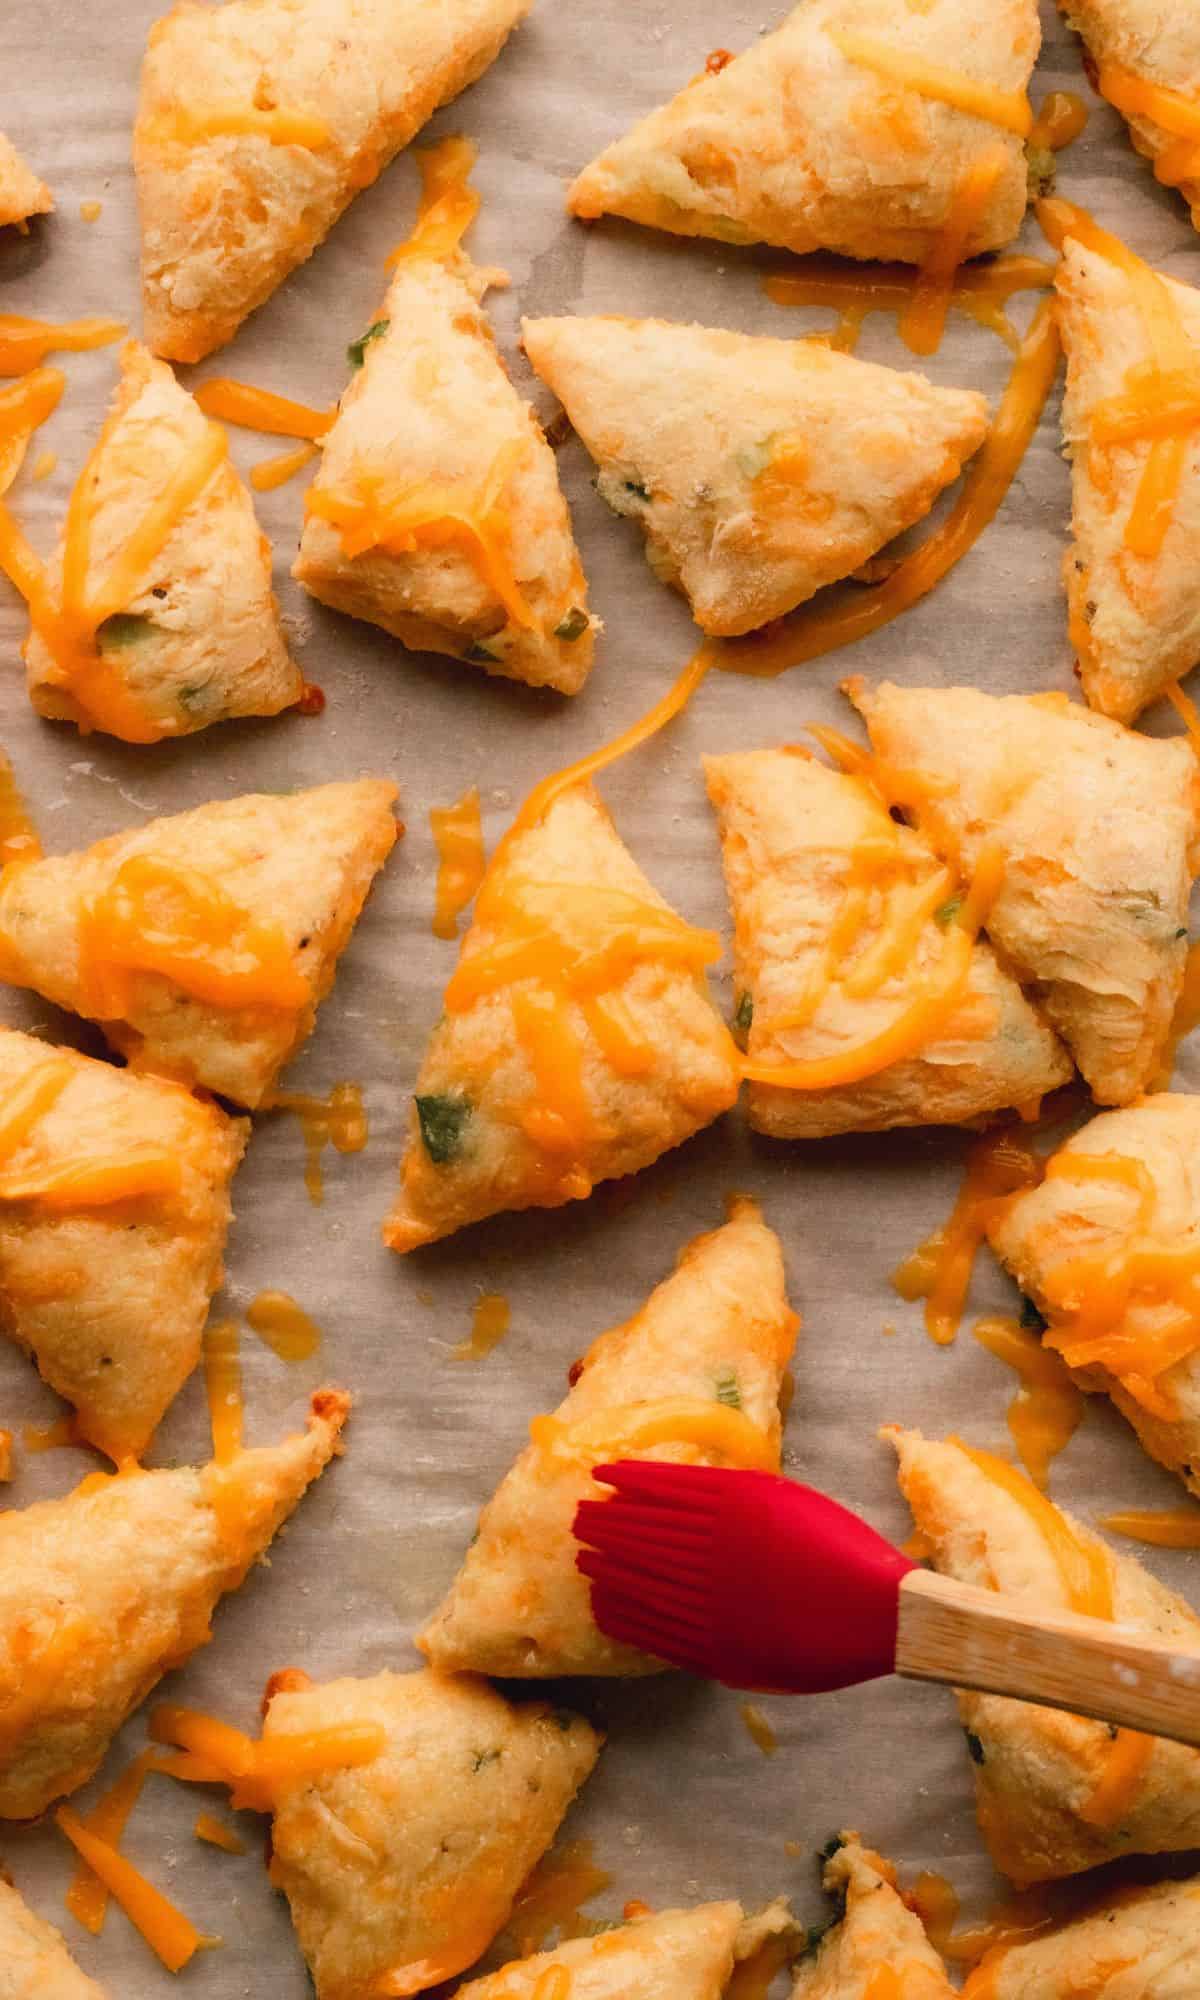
(876, 1930)
(1145, 58)
(759, 470)
(114, 1206)
(104, 1591)
(437, 512)
(1055, 1793)
(400, 1872)
(162, 617)
(1133, 1944)
(578, 1041)
(1135, 616)
(841, 920)
(699, 1370)
(22, 194)
(670, 1955)
(1120, 1201)
(797, 143)
(34, 1961)
(203, 943)
(1098, 831)
(260, 120)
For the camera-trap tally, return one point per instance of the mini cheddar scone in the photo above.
(840, 916)
(833, 133)
(203, 943)
(875, 1932)
(22, 194)
(105, 1590)
(577, 1041)
(1108, 1249)
(260, 120)
(1133, 1944)
(695, 1378)
(160, 637)
(34, 1961)
(114, 1206)
(401, 1871)
(1055, 1793)
(760, 470)
(670, 1955)
(1145, 58)
(437, 512)
(1134, 617)
(1097, 831)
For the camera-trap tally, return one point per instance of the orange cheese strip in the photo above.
(171, 1936)
(26, 342)
(1011, 110)
(261, 410)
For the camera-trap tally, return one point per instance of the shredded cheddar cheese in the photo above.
(172, 1937)
(272, 472)
(1011, 110)
(261, 409)
(1179, 116)
(448, 205)
(213, 1830)
(254, 1768)
(87, 1897)
(1165, 1528)
(711, 1427)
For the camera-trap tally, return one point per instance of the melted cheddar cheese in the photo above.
(924, 319)
(610, 1434)
(191, 125)
(458, 837)
(1011, 110)
(26, 342)
(981, 291)
(939, 1270)
(95, 1181)
(448, 205)
(1136, 97)
(1084, 1567)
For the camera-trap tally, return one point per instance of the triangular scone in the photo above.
(1079, 1244)
(804, 848)
(876, 1930)
(260, 120)
(1055, 1793)
(1097, 830)
(1134, 1944)
(671, 1955)
(1135, 619)
(22, 194)
(400, 1872)
(794, 143)
(114, 1204)
(759, 469)
(1145, 58)
(34, 1961)
(437, 511)
(104, 1591)
(578, 1041)
(708, 1349)
(190, 634)
(204, 943)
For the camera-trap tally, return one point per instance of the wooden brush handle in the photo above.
(964, 1637)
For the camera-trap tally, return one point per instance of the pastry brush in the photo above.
(765, 1584)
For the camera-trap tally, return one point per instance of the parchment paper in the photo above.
(683, 1805)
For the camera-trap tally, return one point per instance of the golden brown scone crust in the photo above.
(759, 469)
(1066, 1218)
(1134, 1944)
(224, 220)
(1157, 42)
(301, 862)
(671, 1955)
(400, 1872)
(720, 1324)
(877, 1930)
(1136, 619)
(432, 404)
(111, 1301)
(474, 1055)
(793, 144)
(1097, 827)
(22, 194)
(104, 1591)
(1036, 1769)
(789, 826)
(34, 1961)
(201, 642)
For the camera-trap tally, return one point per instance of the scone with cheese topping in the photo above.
(857, 126)
(667, 1955)
(695, 1378)
(163, 619)
(22, 194)
(1132, 1944)
(1145, 58)
(204, 943)
(759, 470)
(401, 1871)
(114, 1205)
(1095, 828)
(875, 1935)
(259, 121)
(34, 1961)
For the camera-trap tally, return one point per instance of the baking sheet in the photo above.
(682, 1805)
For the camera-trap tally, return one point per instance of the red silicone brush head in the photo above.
(742, 1577)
